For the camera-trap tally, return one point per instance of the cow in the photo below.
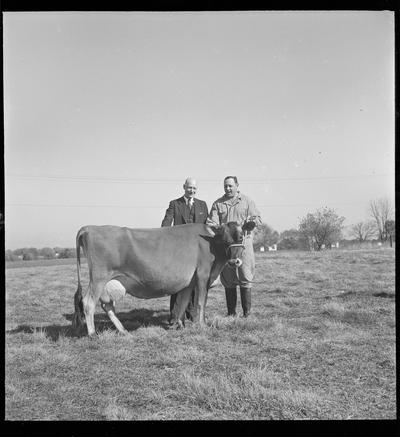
(151, 263)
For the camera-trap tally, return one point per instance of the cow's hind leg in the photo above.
(200, 300)
(113, 291)
(89, 306)
(180, 304)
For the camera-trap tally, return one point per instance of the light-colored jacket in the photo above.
(226, 210)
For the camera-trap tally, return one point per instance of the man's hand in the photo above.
(211, 222)
(249, 224)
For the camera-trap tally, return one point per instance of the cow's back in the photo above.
(157, 258)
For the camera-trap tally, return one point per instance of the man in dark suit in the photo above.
(186, 209)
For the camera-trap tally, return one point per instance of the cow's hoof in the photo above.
(176, 325)
(78, 332)
(124, 333)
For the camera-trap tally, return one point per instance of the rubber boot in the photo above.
(245, 296)
(231, 297)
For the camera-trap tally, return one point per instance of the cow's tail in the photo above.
(79, 316)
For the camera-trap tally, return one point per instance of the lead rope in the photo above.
(237, 267)
(237, 276)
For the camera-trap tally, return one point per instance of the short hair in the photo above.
(232, 177)
(190, 179)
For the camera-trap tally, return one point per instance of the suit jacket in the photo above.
(178, 212)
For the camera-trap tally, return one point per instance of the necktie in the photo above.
(190, 202)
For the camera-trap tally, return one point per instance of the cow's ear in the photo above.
(248, 226)
(213, 228)
(210, 231)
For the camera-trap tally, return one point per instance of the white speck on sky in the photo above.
(107, 113)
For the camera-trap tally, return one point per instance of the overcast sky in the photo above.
(107, 113)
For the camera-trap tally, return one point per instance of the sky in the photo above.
(107, 113)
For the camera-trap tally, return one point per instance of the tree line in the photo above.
(320, 229)
(32, 253)
(324, 228)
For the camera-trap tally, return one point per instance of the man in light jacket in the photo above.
(235, 206)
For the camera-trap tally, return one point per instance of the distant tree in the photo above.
(30, 253)
(390, 229)
(322, 227)
(363, 231)
(381, 210)
(19, 252)
(28, 256)
(292, 239)
(67, 253)
(264, 235)
(10, 256)
(34, 251)
(47, 252)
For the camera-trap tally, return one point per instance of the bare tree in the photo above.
(381, 210)
(390, 228)
(362, 231)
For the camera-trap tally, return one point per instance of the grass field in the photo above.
(320, 344)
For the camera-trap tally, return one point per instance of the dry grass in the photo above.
(320, 344)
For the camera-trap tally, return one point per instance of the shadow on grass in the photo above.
(131, 320)
(384, 294)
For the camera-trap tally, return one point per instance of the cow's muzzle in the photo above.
(235, 262)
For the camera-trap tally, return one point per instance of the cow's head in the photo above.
(231, 237)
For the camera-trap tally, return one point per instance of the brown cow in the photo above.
(150, 263)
